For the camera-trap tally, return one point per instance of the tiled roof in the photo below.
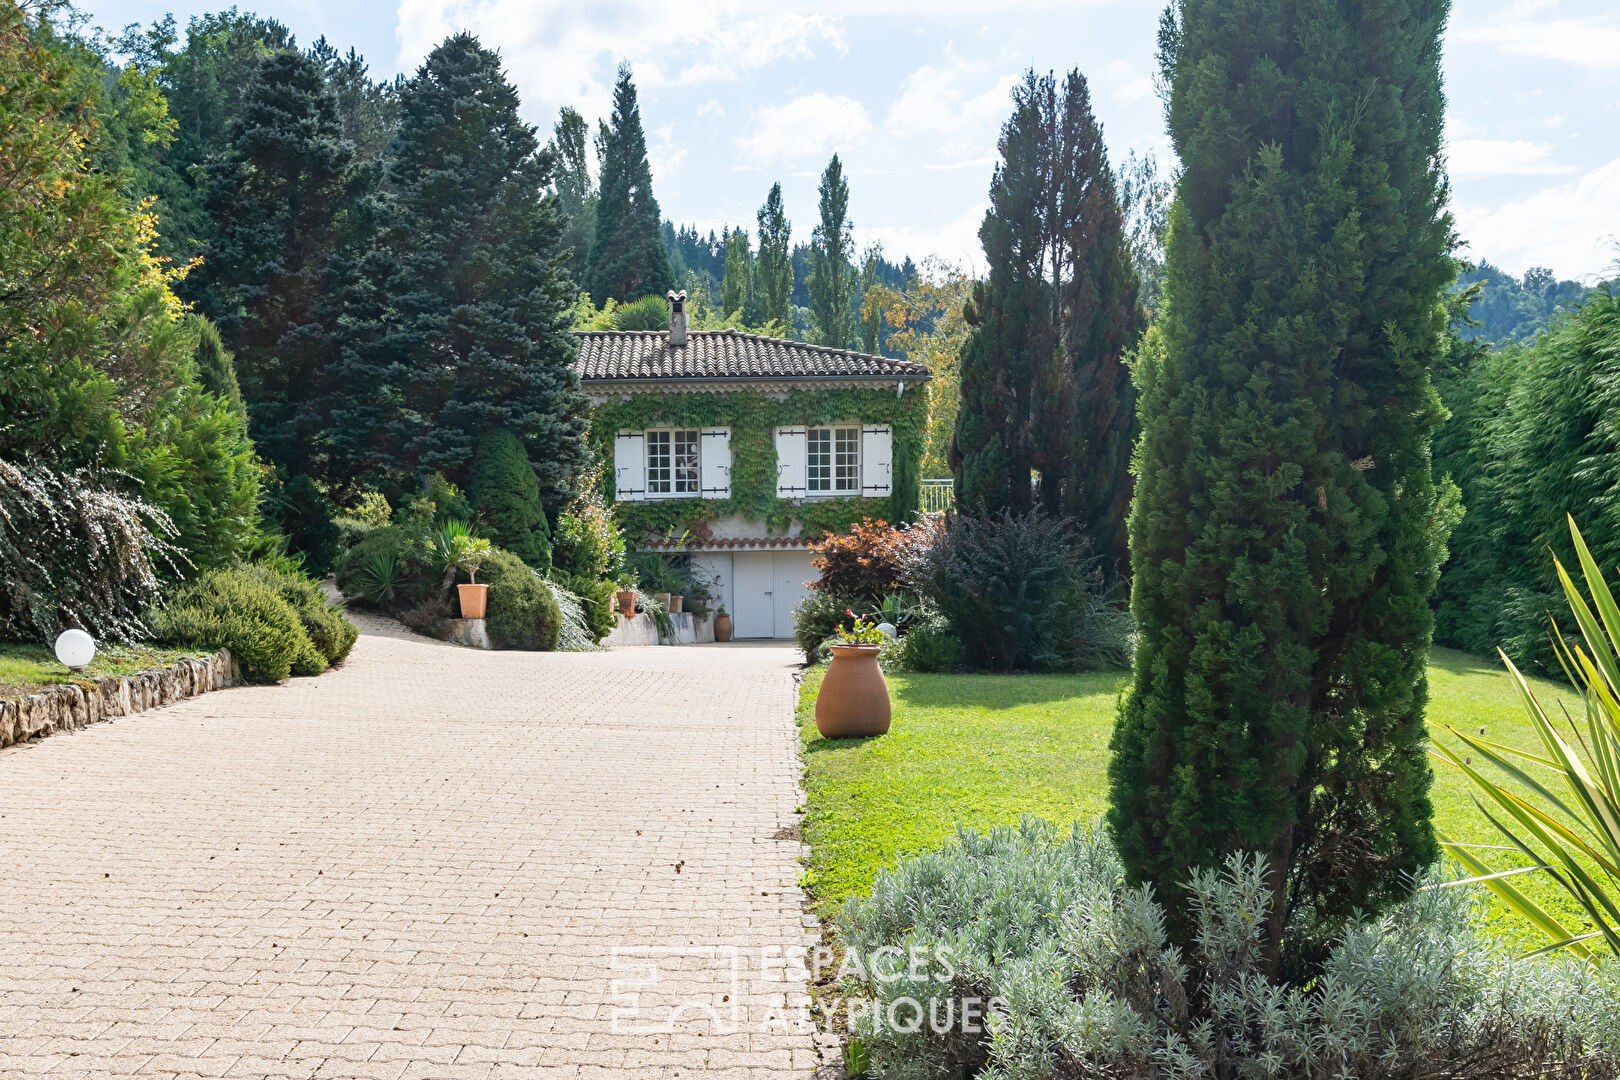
(741, 543)
(608, 355)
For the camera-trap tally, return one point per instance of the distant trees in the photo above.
(1508, 310)
(775, 273)
(832, 277)
(1286, 531)
(627, 259)
(737, 287)
(1047, 406)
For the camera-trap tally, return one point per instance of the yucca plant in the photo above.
(1573, 834)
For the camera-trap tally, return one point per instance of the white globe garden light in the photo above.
(886, 629)
(75, 649)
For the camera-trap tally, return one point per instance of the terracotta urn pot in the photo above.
(474, 598)
(722, 627)
(675, 603)
(627, 603)
(663, 598)
(854, 697)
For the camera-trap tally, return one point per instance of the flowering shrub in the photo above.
(867, 563)
(1040, 962)
(74, 554)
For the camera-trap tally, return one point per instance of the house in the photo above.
(743, 450)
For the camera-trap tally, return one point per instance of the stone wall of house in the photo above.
(71, 706)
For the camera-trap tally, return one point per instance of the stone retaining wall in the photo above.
(69, 706)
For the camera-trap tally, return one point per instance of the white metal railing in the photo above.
(938, 495)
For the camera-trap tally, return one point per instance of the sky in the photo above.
(736, 96)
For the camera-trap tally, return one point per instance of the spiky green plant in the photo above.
(1562, 810)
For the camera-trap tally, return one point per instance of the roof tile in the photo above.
(609, 355)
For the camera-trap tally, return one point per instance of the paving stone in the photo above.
(430, 862)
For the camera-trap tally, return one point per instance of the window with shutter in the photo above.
(877, 461)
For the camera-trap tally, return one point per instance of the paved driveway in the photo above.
(433, 862)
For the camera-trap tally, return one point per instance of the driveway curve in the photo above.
(430, 862)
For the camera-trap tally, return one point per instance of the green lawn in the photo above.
(982, 750)
(27, 669)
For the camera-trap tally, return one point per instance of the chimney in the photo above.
(677, 318)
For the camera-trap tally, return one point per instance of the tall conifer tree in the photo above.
(628, 260)
(576, 192)
(1285, 533)
(460, 312)
(1044, 387)
(737, 286)
(832, 277)
(277, 198)
(775, 260)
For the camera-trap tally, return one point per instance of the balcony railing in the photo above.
(938, 496)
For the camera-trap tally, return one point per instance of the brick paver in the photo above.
(432, 862)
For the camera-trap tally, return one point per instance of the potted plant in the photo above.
(468, 553)
(627, 603)
(854, 698)
(722, 624)
(676, 600)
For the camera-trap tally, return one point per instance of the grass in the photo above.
(28, 669)
(983, 750)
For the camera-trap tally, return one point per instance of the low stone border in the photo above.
(69, 706)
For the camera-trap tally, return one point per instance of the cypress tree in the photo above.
(832, 278)
(737, 286)
(871, 316)
(775, 260)
(277, 198)
(1044, 387)
(628, 259)
(506, 496)
(576, 193)
(1286, 529)
(460, 313)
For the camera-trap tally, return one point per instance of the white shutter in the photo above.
(630, 466)
(792, 450)
(715, 457)
(877, 461)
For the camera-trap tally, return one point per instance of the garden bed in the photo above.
(28, 669)
(985, 750)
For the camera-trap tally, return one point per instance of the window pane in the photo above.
(847, 460)
(686, 462)
(658, 461)
(820, 459)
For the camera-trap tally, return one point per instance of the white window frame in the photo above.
(842, 460)
(665, 480)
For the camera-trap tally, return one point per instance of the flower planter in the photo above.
(675, 603)
(474, 598)
(722, 627)
(663, 598)
(627, 603)
(854, 697)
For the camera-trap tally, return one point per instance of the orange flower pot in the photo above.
(675, 603)
(627, 603)
(854, 697)
(722, 627)
(474, 599)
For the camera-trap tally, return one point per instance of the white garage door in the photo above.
(766, 586)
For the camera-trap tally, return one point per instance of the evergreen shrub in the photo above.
(1082, 979)
(274, 623)
(523, 612)
(1003, 581)
(817, 617)
(505, 495)
(930, 645)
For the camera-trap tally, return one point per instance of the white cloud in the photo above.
(1127, 81)
(566, 53)
(946, 104)
(1527, 29)
(806, 128)
(1471, 158)
(955, 241)
(1570, 228)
